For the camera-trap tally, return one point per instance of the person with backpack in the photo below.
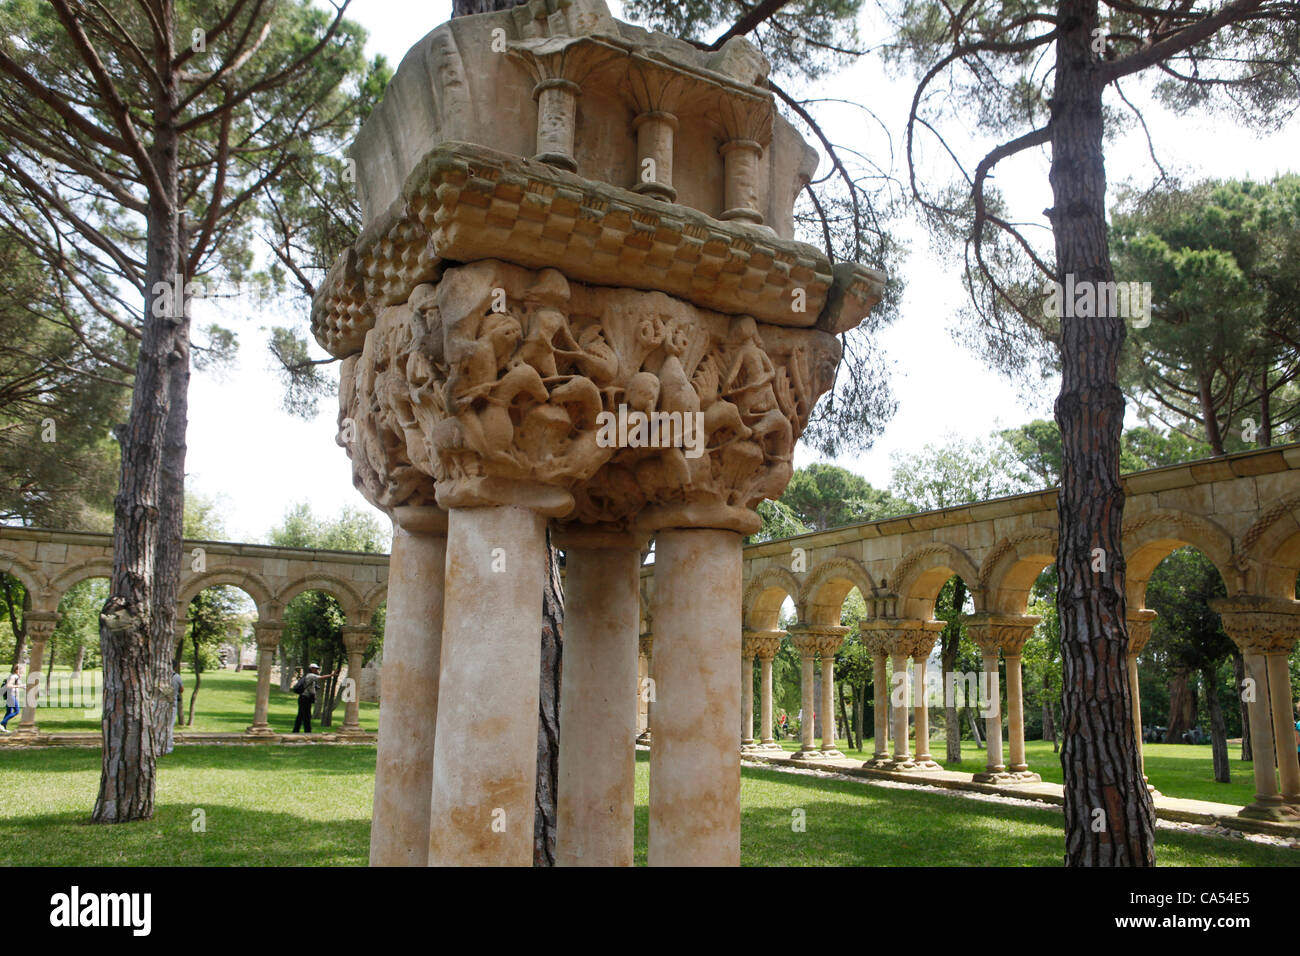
(306, 691)
(10, 694)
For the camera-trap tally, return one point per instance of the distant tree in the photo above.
(955, 473)
(1222, 344)
(826, 496)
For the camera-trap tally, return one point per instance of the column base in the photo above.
(994, 776)
(878, 762)
(769, 745)
(811, 754)
(926, 762)
(260, 730)
(351, 732)
(1276, 812)
(831, 754)
(900, 763)
(1025, 776)
(643, 739)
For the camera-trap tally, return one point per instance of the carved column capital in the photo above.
(761, 644)
(356, 637)
(1139, 629)
(1260, 625)
(40, 625)
(646, 645)
(824, 639)
(1005, 632)
(268, 634)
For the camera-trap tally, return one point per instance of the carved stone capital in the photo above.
(40, 625)
(268, 634)
(824, 639)
(900, 636)
(356, 637)
(761, 644)
(1139, 629)
(1005, 632)
(646, 645)
(1260, 625)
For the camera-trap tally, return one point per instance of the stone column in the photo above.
(654, 139)
(747, 653)
(922, 644)
(740, 168)
(899, 691)
(408, 709)
(597, 763)
(805, 640)
(40, 625)
(485, 766)
(880, 706)
(1013, 631)
(980, 629)
(356, 638)
(642, 673)
(267, 634)
(1264, 628)
(694, 764)
(832, 638)
(645, 691)
(1139, 633)
(767, 644)
(557, 108)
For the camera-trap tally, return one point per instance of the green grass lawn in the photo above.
(224, 705)
(1176, 770)
(310, 806)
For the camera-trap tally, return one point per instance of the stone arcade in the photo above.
(586, 217)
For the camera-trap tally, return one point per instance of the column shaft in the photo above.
(922, 711)
(598, 707)
(806, 704)
(1279, 693)
(747, 702)
(898, 695)
(880, 685)
(828, 707)
(1015, 714)
(265, 658)
(1267, 797)
(765, 702)
(35, 686)
(485, 767)
(1137, 713)
(408, 709)
(694, 763)
(992, 716)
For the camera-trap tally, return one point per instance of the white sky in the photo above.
(259, 461)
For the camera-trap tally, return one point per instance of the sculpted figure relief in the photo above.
(495, 380)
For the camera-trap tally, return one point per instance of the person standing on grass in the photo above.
(11, 685)
(306, 688)
(178, 687)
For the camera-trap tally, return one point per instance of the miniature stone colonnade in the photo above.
(50, 563)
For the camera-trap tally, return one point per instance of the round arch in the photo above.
(30, 578)
(821, 600)
(1271, 549)
(373, 599)
(921, 574)
(246, 581)
(1013, 566)
(338, 589)
(764, 595)
(1151, 537)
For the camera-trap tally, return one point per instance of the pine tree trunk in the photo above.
(1182, 710)
(139, 615)
(1109, 816)
(1218, 731)
(548, 722)
(1239, 681)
